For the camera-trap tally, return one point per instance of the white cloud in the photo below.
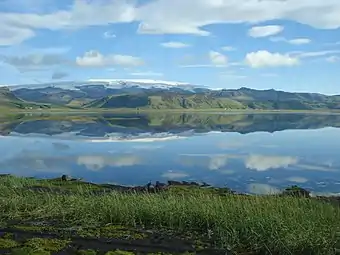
(218, 59)
(264, 31)
(333, 59)
(296, 41)
(264, 163)
(10, 35)
(310, 54)
(264, 58)
(180, 17)
(175, 45)
(109, 34)
(299, 41)
(228, 48)
(164, 16)
(146, 74)
(94, 58)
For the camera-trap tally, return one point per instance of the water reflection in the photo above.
(244, 152)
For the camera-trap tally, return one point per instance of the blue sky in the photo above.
(288, 45)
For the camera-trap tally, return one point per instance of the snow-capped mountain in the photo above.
(112, 84)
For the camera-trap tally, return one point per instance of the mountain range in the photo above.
(150, 94)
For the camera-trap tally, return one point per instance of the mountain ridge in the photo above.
(146, 94)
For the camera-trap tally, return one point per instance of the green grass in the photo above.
(259, 224)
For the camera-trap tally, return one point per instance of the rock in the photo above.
(64, 177)
(296, 191)
(174, 183)
(204, 184)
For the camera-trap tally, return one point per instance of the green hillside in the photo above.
(167, 101)
(8, 101)
(107, 98)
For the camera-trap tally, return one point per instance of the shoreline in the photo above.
(175, 111)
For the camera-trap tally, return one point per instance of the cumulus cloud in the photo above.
(34, 62)
(218, 59)
(264, 163)
(94, 58)
(264, 31)
(59, 75)
(265, 58)
(175, 45)
(296, 41)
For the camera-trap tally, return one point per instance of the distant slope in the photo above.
(166, 101)
(9, 100)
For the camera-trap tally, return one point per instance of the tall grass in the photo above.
(283, 225)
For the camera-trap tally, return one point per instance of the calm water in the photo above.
(259, 153)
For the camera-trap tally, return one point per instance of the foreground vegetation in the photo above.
(74, 217)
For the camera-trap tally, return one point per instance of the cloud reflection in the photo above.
(210, 161)
(264, 163)
(171, 174)
(297, 179)
(95, 163)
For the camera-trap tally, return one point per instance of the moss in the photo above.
(29, 251)
(119, 252)
(86, 252)
(47, 244)
(7, 243)
(7, 235)
(117, 232)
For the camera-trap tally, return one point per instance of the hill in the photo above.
(147, 95)
(9, 100)
(165, 101)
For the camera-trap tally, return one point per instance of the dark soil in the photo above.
(140, 241)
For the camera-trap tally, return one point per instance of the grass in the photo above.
(256, 224)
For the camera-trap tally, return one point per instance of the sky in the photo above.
(291, 45)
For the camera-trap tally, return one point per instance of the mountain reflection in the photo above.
(163, 126)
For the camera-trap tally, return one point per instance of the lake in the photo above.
(255, 153)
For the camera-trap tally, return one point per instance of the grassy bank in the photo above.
(204, 219)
